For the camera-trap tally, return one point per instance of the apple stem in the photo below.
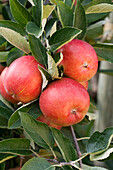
(76, 145)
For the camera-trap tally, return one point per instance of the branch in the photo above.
(76, 145)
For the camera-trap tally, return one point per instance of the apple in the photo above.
(43, 119)
(23, 79)
(64, 102)
(80, 60)
(75, 2)
(2, 89)
(85, 84)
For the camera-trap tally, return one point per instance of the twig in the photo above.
(76, 145)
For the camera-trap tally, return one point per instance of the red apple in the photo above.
(85, 84)
(43, 119)
(80, 61)
(2, 89)
(23, 79)
(75, 2)
(64, 102)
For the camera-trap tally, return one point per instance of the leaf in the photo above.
(15, 146)
(4, 102)
(3, 56)
(38, 50)
(33, 29)
(65, 145)
(37, 12)
(5, 114)
(14, 121)
(19, 12)
(13, 55)
(95, 30)
(63, 36)
(88, 3)
(33, 2)
(13, 26)
(99, 142)
(86, 167)
(37, 164)
(4, 157)
(101, 156)
(47, 10)
(80, 19)
(49, 25)
(65, 14)
(104, 51)
(52, 67)
(100, 8)
(15, 39)
(38, 131)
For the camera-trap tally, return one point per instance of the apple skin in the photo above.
(80, 60)
(64, 102)
(2, 89)
(23, 79)
(43, 119)
(85, 84)
(75, 2)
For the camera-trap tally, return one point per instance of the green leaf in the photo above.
(91, 18)
(4, 102)
(19, 12)
(33, 29)
(14, 121)
(86, 167)
(95, 30)
(101, 156)
(15, 39)
(13, 55)
(49, 25)
(4, 157)
(52, 67)
(38, 131)
(100, 8)
(13, 26)
(63, 36)
(15, 146)
(47, 10)
(104, 51)
(65, 14)
(37, 164)
(80, 19)
(108, 72)
(38, 50)
(5, 114)
(99, 142)
(88, 3)
(37, 12)
(33, 2)
(3, 56)
(46, 73)
(65, 145)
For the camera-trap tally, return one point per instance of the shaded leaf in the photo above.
(88, 3)
(38, 50)
(38, 131)
(104, 51)
(80, 19)
(15, 146)
(65, 145)
(3, 56)
(58, 39)
(4, 157)
(65, 14)
(19, 12)
(49, 25)
(37, 164)
(46, 73)
(15, 39)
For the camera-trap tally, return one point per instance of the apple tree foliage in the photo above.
(39, 28)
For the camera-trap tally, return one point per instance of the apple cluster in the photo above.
(63, 102)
